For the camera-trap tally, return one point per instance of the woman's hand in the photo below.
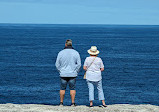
(85, 68)
(101, 69)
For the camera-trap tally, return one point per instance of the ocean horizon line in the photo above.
(77, 24)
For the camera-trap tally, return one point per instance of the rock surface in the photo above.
(81, 108)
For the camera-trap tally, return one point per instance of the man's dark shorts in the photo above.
(70, 80)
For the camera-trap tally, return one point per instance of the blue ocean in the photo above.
(28, 53)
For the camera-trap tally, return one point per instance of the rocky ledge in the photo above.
(81, 108)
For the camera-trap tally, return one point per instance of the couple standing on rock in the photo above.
(68, 64)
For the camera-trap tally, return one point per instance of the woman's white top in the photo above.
(93, 72)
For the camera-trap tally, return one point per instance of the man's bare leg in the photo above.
(73, 93)
(62, 94)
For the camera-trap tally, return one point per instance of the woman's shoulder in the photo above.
(99, 58)
(87, 58)
(91, 58)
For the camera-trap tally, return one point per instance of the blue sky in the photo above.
(142, 12)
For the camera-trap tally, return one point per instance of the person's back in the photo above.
(94, 71)
(68, 63)
(93, 66)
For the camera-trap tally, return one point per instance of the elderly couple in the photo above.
(68, 64)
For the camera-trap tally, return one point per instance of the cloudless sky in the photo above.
(142, 12)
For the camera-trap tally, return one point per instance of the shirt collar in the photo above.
(69, 47)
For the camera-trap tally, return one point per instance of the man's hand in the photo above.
(102, 69)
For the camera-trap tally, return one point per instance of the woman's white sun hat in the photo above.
(93, 50)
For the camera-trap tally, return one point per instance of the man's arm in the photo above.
(57, 64)
(78, 63)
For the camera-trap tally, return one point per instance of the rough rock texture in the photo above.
(81, 108)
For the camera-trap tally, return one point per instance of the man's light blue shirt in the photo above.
(68, 62)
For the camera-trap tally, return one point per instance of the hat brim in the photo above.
(93, 53)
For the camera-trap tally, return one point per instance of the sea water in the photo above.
(28, 53)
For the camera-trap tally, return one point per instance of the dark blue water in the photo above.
(28, 54)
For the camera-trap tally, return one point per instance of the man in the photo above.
(68, 64)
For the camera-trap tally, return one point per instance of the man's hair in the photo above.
(69, 42)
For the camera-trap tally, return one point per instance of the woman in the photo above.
(93, 66)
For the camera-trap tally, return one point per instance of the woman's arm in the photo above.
(85, 68)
